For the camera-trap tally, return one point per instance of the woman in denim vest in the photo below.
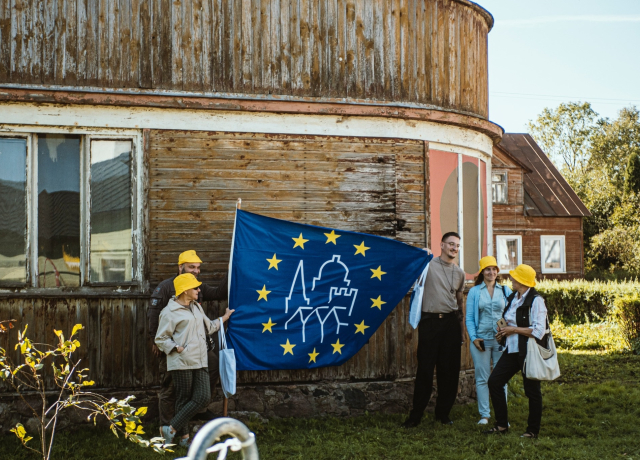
(485, 303)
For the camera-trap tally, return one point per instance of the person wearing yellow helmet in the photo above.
(525, 316)
(188, 262)
(182, 329)
(485, 303)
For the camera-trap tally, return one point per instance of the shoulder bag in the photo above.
(227, 359)
(415, 312)
(541, 363)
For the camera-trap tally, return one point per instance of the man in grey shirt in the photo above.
(440, 334)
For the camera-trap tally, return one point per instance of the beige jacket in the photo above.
(184, 327)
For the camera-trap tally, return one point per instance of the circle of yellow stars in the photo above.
(360, 328)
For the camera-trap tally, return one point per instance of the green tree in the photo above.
(600, 158)
(565, 135)
(632, 176)
(614, 142)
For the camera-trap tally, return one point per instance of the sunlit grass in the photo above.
(591, 412)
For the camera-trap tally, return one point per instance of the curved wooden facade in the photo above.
(427, 53)
(310, 67)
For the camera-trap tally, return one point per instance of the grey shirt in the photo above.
(443, 281)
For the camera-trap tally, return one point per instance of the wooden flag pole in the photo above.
(225, 402)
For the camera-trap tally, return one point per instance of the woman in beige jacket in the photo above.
(182, 336)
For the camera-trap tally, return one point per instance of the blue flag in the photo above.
(308, 296)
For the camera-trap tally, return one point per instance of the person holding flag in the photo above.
(188, 262)
(307, 296)
(441, 334)
(182, 329)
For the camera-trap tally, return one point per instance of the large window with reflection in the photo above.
(458, 201)
(67, 202)
(13, 201)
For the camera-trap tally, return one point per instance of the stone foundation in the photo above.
(305, 400)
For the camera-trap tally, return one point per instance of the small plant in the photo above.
(72, 391)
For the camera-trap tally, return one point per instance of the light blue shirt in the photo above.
(472, 319)
(490, 311)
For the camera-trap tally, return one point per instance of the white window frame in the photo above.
(506, 186)
(489, 217)
(30, 133)
(509, 237)
(563, 263)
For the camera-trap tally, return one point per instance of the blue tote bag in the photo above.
(415, 312)
(227, 364)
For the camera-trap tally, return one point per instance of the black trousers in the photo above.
(167, 393)
(508, 366)
(438, 348)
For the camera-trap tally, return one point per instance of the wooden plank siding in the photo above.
(427, 52)
(368, 185)
(363, 184)
(512, 219)
(532, 228)
(114, 344)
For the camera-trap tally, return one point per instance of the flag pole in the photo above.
(225, 402)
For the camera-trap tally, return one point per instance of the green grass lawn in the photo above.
(592, 411)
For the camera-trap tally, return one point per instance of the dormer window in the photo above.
(499, 187)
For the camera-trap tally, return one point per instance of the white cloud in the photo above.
(561, 19)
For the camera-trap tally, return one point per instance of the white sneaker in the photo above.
(483, 421)
(165, 432)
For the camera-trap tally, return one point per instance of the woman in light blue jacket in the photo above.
(485, 303)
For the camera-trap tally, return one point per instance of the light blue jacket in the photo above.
(473, 300)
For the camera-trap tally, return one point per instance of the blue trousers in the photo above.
(482, 363)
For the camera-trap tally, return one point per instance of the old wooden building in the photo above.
(129, 129)
(537, 217)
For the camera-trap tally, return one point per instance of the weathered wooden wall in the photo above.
(115, 347)
(195, 178)
(369, 185)
(431, 52)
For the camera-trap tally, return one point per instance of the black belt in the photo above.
(437, 315)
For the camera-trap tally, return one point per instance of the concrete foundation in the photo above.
(319, 399)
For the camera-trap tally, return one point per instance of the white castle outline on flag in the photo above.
(334, 291)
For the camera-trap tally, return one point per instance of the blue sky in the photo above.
(546, 52)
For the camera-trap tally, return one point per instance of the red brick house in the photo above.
(537, 217)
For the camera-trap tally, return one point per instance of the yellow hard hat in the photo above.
(524, 274)
(488, 261)
(185, 282)
(189, 257)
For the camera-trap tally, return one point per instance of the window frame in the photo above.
(506, 186)
(138, 214)
(509, 237)
(28, 241)
(563, 263)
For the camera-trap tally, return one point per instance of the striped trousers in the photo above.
(192, 395)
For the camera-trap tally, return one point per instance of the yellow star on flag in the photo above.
(263, 293)
(337, 346)
(288, 348)
(377, 273)
(273, 262)
(360, 249)
(313, 356)
(268, 326)
(360, 328)
(378, 303)
(331, 237)
(299, 241)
